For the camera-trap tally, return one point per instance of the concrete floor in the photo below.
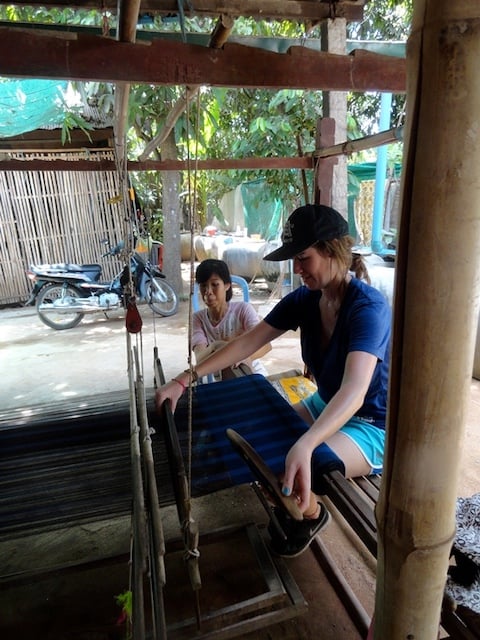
(39, 366)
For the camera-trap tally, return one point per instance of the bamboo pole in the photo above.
(157, 572)
(139, 515)
(435, 317)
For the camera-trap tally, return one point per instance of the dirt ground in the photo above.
(44, 365)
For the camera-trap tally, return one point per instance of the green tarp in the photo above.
(26, 105)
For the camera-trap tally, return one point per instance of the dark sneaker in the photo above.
(299, 534)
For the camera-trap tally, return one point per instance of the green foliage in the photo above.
(265, 123)
(272, 28)
(384, 20)
(125, 601)
(43, 15)
(148, 186)
(364, 110)
(73, 120)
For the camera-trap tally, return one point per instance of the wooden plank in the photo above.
(354, 509)
(470, 619)
(76, 57)
(14, 164)
(357, 503)
(455, 625)
(269, 596)
(354, 608)
(368, 488)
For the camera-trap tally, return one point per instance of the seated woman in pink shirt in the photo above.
(222, 319)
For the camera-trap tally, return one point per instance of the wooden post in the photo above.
(435, 311)
(324, 167)
(333, 39)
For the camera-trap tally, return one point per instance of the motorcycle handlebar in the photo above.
(114, 251)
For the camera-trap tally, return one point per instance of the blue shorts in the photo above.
(368, 438)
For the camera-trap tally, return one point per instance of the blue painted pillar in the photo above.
(380, 175)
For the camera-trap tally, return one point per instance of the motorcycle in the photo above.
(64, 293)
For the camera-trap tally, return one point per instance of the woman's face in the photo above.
(214, 291)
(315, 268)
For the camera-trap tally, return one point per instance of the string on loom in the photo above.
(132, 319)
(192, 209)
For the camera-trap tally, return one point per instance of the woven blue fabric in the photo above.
(251, 406)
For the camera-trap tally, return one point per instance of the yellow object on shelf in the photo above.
(294, 389)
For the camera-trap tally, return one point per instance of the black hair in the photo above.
(208, 268)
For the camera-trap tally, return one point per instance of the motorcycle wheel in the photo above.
(161, 297)
(53, 318)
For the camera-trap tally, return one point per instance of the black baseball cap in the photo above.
(306, 226)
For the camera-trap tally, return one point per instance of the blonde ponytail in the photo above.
(340, 249)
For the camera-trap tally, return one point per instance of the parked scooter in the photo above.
(64, 293)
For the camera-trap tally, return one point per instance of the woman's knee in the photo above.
(350, 454)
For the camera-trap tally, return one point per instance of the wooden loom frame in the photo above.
(281, 599)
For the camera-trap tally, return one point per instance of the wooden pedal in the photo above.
(264, 475)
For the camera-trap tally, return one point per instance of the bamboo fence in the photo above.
(55, 217)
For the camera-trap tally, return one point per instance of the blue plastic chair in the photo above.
(236, 280)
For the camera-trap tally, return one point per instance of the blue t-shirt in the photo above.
(363, 324)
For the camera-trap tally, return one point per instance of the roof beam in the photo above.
(297, 10)
(86, 57)
(304, 162)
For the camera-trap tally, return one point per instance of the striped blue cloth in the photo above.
(251, 406)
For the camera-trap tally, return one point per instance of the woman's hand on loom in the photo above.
(203, 352)
(172, 391)
(297, 479)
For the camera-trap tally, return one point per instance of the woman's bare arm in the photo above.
(234, 351)
(359, 368)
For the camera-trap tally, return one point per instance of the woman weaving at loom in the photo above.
(345, 338)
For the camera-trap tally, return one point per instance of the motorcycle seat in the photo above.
(93, 271)
(84, 267)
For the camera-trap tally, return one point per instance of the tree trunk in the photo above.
(172, 212)
(436, 306)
